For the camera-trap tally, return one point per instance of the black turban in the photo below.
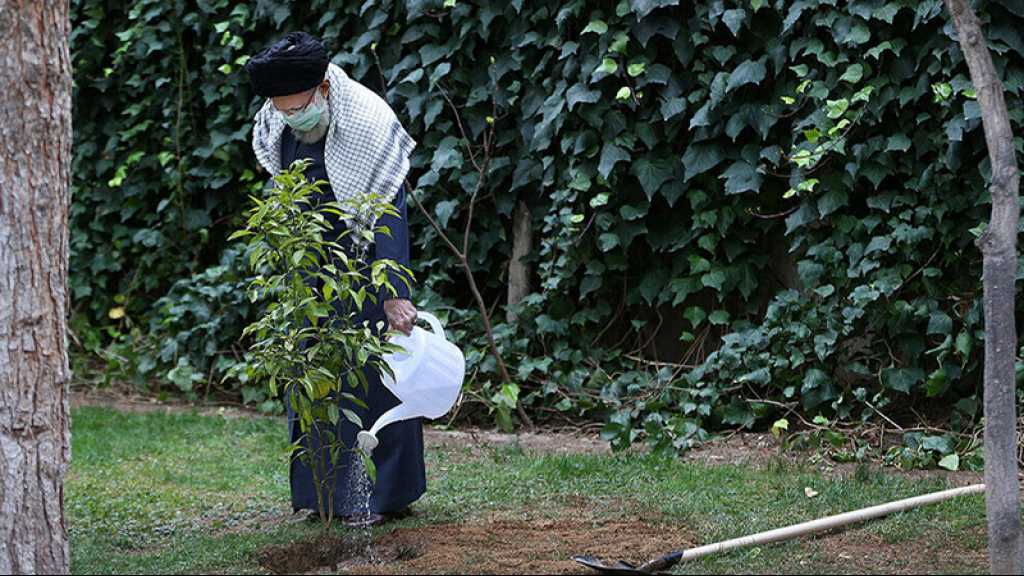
(293, 64)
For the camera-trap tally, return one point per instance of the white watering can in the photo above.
(427, 382)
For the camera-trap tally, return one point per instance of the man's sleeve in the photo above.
(394, 247)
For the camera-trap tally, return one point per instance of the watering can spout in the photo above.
(366, 441)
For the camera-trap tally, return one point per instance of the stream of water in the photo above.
(359, 490)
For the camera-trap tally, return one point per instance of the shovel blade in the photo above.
(619, 567)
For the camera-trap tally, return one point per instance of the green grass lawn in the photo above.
(187, 493)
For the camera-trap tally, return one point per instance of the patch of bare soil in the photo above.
(303, 556)
(515, 546)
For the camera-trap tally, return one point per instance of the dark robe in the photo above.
(401, 478)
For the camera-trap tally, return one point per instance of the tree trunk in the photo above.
(522, 245)
(35, 161)
(999, 250)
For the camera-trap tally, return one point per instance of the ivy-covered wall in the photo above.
(732, 202)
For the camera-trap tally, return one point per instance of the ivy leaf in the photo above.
(444, 210)
(653, 174)
(695, 314)
(714, 279)
(964, 344)
(939, 323)
(581, 182)
(620, 43)
(182, 375)
(748, 72)
(608, 241)
(702, 117)
(950, 462)
(446, 155)
(853, 74)
(938, 383)
(837, 108)
(672, 107)
(644, 7)
(682, 287)
(741, 177)
(734, 19)
(941, 444)
(877, 51)
(898, 142)
(902, 379)
(859, 34)
(439, 72)
(431, 53)
(700, 158)
(580, 93)
(698, 264)
(412, 77)
(831, 201)
(806, 213)
(598, 27)
(632, 212)
(886, 12)
(760, 376)
(610, 156)
(719, 317)
(722, 53)
(589, 284)
(817, 389)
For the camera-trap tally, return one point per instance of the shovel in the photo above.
(656, 566)
(659, 565)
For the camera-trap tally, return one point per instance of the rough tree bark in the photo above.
(35, 160)
(522, 245)
(999, 250)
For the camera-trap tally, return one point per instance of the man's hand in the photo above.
(401, 314)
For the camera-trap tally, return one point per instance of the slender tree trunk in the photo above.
(522, 245)
(999, 249)
(35, 160)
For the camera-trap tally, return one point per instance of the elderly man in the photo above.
(354, 141)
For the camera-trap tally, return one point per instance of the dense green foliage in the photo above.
(780, 198)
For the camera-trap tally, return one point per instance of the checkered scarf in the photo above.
(367, 150)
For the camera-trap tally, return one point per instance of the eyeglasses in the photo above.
(297, 109)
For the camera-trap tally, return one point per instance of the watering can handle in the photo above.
(435, 324)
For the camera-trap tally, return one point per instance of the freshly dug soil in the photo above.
(302, 556)
(512, 546)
